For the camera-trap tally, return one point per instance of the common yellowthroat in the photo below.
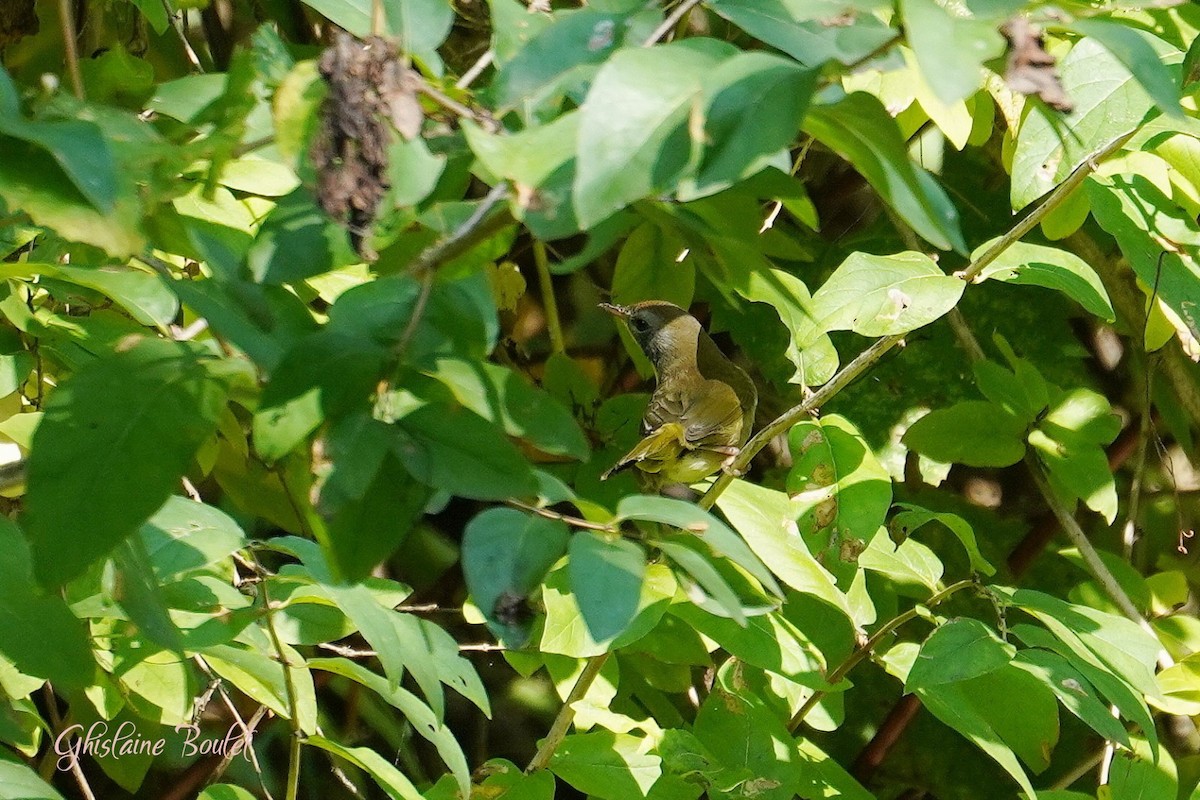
(702, 408)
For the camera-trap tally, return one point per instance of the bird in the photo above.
(702, 408)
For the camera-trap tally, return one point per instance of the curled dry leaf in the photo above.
(370, 93)
(1030, 68)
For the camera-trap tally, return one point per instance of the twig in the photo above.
(876, 351)
(188, 50)
(574, 521)
(252, 145)
(66, 21)
(787, 419)
(482, 118)
(482, 63)
(476, 228)
(289, 683)
(855, 658)
(56, 724)
(1077, 772)
(1091, 559)
(251, 725)
(1053, 201)
(566, 714)
(549, 303)
(874, 54)
(671, 21)
(245, 727)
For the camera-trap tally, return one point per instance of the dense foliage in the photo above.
(301, 361)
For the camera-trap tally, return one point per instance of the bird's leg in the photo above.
(731, 454)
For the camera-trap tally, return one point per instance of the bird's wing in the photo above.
(654, 451)
(709, 414)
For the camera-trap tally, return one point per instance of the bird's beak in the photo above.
(616, 311)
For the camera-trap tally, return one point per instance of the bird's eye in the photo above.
(640, 324)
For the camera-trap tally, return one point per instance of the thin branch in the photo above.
(251, 725)
(671, 21)
(246, 728)
(549, 303)
(188, 50)
(577, 522)
(475, 229)
(1052, 201)
(787, 419)
(876, 351)
(566, 714)
(482, 118)
(66, 20)
(482, 63)
(289, 683)
(56, 724)
(855, 658)
(1091, 559)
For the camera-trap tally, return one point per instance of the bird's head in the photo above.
(663, 330)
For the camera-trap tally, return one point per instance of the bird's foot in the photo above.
(731, 454)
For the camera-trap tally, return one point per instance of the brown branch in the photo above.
(577, 522)
(66, 21)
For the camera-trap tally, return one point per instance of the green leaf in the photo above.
(386, 776)
(1073, 690)
(186, 536)
(651, 266)
(704, 525)
(1142, 218)
(1069, 442)
(763, 762)
(459, 317)
(114, 441)
(19, 782)
(565, 631)
(503, 396)
(843, 492)
(1142, 772)
(261, 678)
(706, 575)
(911, 518)
(77, 146)
(143, 294)
(769, 641)
(505, 556)
(810, 349)
(954, 73)
(957, 651)
(754, 103)
(225, 791)
(325, 374)
(811, 33)
(859, 129)
(557, 57)
(885, 295)
(907, 563)
(633, 133)
(297, 240)
(1038, 265)
(766, 519)
(1007, 713)
(606, 579)
(456, 450)
(611, 766)
(1132, 47)
(364, 531)
(1108, 104)
(38, 632)
(973, 432)
(418, 26)
(423, 720)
